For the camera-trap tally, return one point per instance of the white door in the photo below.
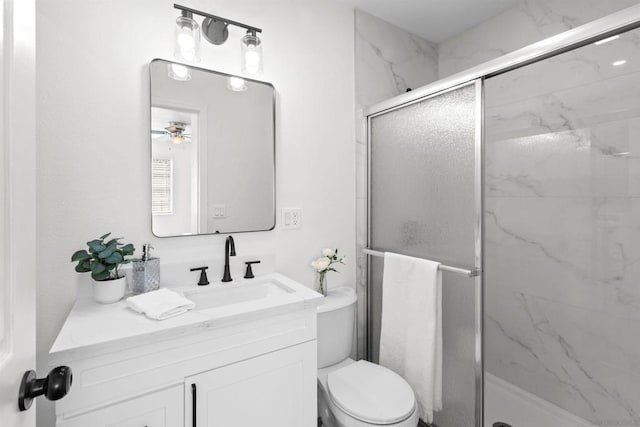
(17, 206)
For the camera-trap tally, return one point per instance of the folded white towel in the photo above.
(411, 332)
(160, 304)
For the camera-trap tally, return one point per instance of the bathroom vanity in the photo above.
(245, 356)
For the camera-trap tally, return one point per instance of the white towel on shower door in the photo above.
(411, 332)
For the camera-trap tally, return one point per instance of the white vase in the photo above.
(109, 291)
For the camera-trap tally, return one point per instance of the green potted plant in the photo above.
(103, 260)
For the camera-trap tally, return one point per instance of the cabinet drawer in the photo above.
(160, 409)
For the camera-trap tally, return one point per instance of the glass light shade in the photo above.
(187, 40)
(179, 72)
(251, 54)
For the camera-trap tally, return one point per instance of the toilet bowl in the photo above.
(350, 393)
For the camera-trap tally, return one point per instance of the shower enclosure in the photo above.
(528, 169)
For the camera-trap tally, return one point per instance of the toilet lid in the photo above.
(371, 393)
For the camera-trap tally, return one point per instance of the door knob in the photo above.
(54, 386)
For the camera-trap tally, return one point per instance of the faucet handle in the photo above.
(249, 273)
(203, 275)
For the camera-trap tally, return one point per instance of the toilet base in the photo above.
(324, 412)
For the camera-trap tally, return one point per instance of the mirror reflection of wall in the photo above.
(212, 151)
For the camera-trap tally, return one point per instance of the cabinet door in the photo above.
(274, 390)
(159, 409)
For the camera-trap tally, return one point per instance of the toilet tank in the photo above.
(336, 320)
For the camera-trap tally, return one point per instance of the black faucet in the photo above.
(229, 250)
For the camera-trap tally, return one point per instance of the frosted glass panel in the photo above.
(422, 181)
(422, 204)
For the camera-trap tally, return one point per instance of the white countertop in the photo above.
(92, 328)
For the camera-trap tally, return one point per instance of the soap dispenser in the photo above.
(146, 272)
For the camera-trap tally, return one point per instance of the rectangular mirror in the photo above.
(212, 152)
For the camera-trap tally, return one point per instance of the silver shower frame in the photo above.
(615, 23)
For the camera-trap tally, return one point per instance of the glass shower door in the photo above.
(424, 201)
(562, 228)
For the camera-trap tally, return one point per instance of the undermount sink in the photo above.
(237, 293)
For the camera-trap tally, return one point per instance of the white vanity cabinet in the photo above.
(252, 364)
(268, 391)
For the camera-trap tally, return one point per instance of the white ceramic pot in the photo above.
(109, 291)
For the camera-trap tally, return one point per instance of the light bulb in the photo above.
(186, 42)
(252, 61)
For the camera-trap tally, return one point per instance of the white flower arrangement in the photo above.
(324, 264)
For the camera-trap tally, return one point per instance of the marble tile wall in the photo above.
(520, 26)
(562, 230)
(389, 60)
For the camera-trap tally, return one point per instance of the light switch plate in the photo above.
(218, 211)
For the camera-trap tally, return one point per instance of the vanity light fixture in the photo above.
(619, 63)
(215, 31)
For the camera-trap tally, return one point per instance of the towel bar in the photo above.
(469, 273)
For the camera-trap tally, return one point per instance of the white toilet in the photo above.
(350, 393)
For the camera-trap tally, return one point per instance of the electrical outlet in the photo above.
(291, 218)
(295, 218)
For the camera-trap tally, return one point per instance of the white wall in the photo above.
(93, 136)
